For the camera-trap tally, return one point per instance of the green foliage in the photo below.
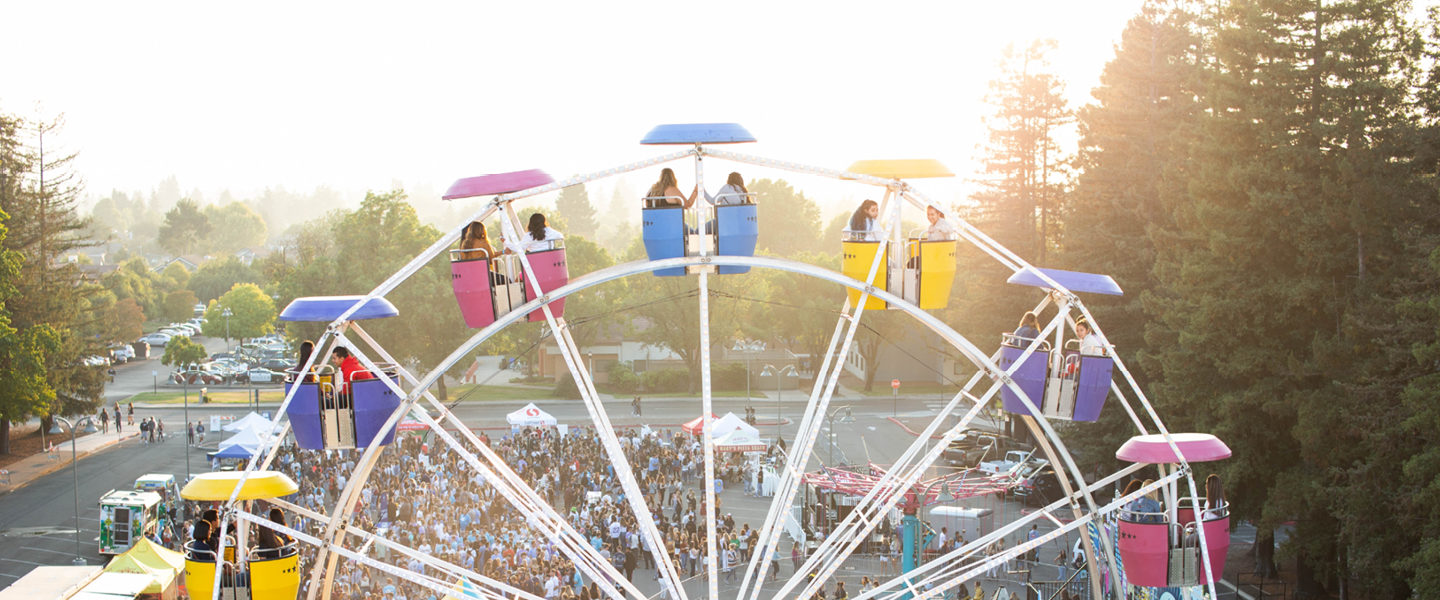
(180, 305)
(252, 313)
(235, 226)
(623, 379)
(567, 388)
(186, 229)
(665, 381)
(181, 352)
(729, 377)
(135, 281)
(789, 221)
(219, 276)
(574, 203)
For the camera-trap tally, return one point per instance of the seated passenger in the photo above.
(199, 549)
(350, 368)
(475, 238)
(540, 235)
(666, 192)
(271, 544)
(1215, 506)
(1090, 343)
(307, 348)
(940, 228)
(1029, 328)
(862, 223)
(731, 194)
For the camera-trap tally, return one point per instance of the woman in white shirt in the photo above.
(732, 193)
(940, 228)
(862, 223)
(540, 235)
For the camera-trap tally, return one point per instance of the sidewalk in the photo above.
(20, 474)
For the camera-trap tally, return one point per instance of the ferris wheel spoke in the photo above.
(606, 430)
(809, 431)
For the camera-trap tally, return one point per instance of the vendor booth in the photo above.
(530, 416)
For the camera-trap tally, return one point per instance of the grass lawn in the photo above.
(235, 397)
(910, 389)
(482, 393)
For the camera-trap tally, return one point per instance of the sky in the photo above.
(357, 95)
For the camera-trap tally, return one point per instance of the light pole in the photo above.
(770, 371)
(226, 313)
(75, 470)
(848, 418)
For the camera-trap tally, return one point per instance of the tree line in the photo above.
(1260, 178)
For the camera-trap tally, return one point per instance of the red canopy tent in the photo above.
(694, 427)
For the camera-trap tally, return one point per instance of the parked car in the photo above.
(1010, 462)
(197, 377)
(973, 448)
(187, 328)
(156, 339)
(95, 361)
(278, 364)
(1041, 487)
(259, 375)
(199, 309)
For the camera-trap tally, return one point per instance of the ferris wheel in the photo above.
(1050, 376)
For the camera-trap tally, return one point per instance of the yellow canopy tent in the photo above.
(147, 558)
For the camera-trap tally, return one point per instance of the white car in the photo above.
(157, 338)
(187, 328)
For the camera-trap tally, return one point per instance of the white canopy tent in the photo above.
(729, 423)
(248, 421)
(531, 416)
(740, 441)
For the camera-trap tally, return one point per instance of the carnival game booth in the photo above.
(244, 574)
(323, 415)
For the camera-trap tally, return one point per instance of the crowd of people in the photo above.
(427, 498)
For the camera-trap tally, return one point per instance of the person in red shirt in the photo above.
(350, 368)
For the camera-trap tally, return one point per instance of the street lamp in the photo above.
(74, 469)
(226, 313)
(788, 371)
(848, 418)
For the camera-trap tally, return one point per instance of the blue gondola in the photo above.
(1063, 383)
(323, 417)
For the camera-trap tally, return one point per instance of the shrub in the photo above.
(567, 388)
(730, 377)
(623, 379)
(666, 380)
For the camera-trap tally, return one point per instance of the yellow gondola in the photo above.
(268, 578)
(855, 261)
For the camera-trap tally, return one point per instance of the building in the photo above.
(250, 254)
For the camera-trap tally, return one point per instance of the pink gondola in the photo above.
(1159, 551)
(551, 273)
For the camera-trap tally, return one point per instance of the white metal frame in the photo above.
(866, 515)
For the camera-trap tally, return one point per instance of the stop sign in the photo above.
(895, 384)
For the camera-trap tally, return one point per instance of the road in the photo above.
(37, 522)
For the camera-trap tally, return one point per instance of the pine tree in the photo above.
(1290, 172)
(574, 205)
(1131, 143)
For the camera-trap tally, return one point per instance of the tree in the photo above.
(40, 194)
(186, 229)
(134, 280)
(219, 276)
(1292, 192)
(181, 352)
(1023, 185)
(252, 313)
(1131, 147)
(180, 305)
(574, 204)
(804, 309)
(236, 226)
(789, 221)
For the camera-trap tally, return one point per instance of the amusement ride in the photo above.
(1054, 376)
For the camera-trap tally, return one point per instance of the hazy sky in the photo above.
(356, 95)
